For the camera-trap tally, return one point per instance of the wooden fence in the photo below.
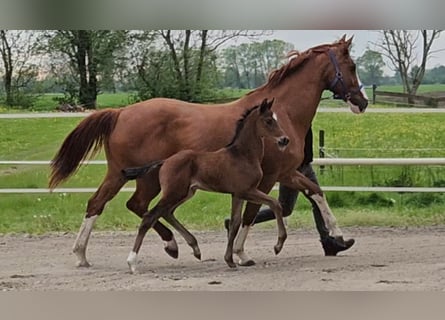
(429, 100)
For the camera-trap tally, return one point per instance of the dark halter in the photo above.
(344, 93)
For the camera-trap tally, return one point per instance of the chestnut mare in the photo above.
(234, 169)
(158, 128)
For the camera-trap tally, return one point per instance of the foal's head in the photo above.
(267, 125)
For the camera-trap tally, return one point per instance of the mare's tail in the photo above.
(134, 173)
(88, 137)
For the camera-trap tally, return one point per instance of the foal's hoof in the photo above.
(197, 255)
(231, 264)
(277, 248)
(83, 264)
(174, 253)
(247, 263)
(133, 269)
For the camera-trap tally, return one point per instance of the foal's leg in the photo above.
(107, 190)
(189, 238)
(248, 219)
(235, 222)
(256, 196)
(147, 188)
(148, 220)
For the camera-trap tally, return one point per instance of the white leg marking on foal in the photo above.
(328, 217)
(132, 261)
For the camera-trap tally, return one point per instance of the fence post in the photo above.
(321, 148)
(374, 87)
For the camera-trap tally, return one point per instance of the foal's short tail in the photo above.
(88, 137)
(134, 173)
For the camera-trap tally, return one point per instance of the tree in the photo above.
(370, 67)
(399, 46)
(16, 50)
(90, 55)
(435, 75)
(248, 65)
(180, 63)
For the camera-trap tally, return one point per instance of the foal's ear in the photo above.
(349, 42)
(265, 105)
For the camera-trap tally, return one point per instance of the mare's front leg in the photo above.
(302, 183)
(235, 222)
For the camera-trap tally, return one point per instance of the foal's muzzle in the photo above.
(283, 142)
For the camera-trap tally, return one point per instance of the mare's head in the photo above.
(342, 77)
(267, 124)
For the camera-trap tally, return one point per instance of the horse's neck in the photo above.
(299, 94)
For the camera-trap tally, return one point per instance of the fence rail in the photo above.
(317, 162)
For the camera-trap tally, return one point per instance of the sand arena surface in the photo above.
(383, 259)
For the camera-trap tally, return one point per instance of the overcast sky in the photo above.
(304, 39)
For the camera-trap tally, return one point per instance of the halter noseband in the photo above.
(344, 94)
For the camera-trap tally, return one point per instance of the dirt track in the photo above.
(381, 259)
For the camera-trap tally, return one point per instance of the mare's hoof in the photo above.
(247, 263)
(171, 252)
(332, 246)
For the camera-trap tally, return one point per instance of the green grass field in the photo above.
(346, 135)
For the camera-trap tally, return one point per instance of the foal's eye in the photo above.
(269, 122)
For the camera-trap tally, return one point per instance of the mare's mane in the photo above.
(240, 124)
(296, 60)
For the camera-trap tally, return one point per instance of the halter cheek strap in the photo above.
(344, 94)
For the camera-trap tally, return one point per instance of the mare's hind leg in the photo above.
(107, 190)
(146, 189)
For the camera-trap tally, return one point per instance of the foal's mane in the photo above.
(240, 124)
(296, 60)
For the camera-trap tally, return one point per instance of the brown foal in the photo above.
(234, 169)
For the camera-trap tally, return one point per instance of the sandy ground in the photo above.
(383, 259)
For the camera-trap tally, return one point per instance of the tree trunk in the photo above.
(87, 70)
(7, 62)
(202, 54)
